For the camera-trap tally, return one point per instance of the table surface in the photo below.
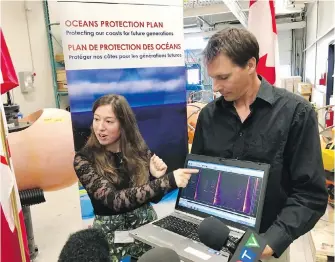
(323, 234)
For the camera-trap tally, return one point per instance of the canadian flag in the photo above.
(14, 245)
(262, 23)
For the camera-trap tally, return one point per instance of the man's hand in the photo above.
(157, 166)
(267, 253)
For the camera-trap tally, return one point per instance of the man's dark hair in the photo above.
(239, 45)
(88, 245)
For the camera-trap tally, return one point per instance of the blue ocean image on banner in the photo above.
(157, 97)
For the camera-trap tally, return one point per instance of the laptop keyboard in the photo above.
(189, 230)
(179, 226)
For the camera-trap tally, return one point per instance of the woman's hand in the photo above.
(157, 166)
(183, 175)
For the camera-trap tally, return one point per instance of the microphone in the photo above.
(159, 254)
(215, 234)
(88, 245)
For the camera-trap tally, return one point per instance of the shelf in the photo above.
(55, 65)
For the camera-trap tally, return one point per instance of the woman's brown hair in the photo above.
(133, 147)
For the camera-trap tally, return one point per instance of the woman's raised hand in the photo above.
(183, 175)
(157, 166)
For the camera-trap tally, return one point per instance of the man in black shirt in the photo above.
(255, 121)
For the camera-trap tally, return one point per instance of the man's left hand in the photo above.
(157, 166)
(267, 253)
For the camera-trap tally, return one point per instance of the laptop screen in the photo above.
(228, 192)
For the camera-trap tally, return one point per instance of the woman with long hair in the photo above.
(121, 176)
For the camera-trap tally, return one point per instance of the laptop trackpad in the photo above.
(162, 237)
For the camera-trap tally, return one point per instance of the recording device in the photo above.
(88, 245)
(160, 254)
(215, 234)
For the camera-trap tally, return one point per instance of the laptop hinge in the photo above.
(236, 229)
(188, 215)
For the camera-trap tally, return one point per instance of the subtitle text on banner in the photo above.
(120, 50)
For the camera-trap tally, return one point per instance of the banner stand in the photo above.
(133, 48)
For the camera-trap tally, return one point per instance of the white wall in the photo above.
(14, 26)
(285, 51)
(320, 33)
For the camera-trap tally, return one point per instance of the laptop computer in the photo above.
(230, 190)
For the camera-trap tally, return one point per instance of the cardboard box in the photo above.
(290, 83)
(296, 82)
(305, 88)
(61, 75)
(59, 58)
(307, 97)
(62, 87)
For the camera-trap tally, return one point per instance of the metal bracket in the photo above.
(236, 9)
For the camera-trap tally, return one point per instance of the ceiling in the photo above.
(205, 17)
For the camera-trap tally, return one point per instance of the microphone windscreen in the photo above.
(160, 254)
(213, 233)
(88, 245)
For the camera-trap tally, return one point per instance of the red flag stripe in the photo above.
(3, 160)
(9, 76)
(273, 15)
(267, 39)
(10, 243)
(268, 72)
(252, 2)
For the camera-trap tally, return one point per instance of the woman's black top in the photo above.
(110, 198)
